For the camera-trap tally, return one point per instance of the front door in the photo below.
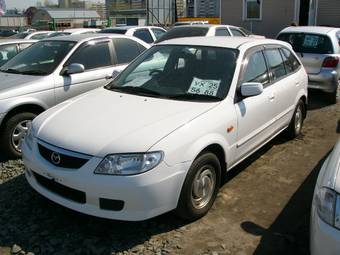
(98, 62)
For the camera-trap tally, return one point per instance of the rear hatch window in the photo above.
(308, 43)
(179, 32)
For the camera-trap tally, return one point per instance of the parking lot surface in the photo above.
(262, 208)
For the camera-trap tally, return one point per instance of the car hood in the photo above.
(102, 122)
(17, 84)
(330, 172)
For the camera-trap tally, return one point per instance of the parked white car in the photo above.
(53, 70)
(325, 215)
(74, 31)
(148, 34)
(32, 35)
(319, 51)
(206, 30)
(9, 48)
(161, 135)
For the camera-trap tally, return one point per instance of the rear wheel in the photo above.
(295, 127)
(13, 132)
(200, 187)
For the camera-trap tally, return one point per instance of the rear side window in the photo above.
(158, 32)
(256, 70)
(290, 61)
(275, 63)
(236, 32)
(308, 43)
(92, 56)
(179, 32)
(127, 50)
(144, 35)
(222, 32)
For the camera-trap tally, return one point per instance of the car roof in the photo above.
(129, 27)
(8, 41)
(81, 37)
(203, 26)
(224, 42)
(74, 30)
(309, 29)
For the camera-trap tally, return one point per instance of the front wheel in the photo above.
(295, 127)
(13, 132)
(200, 187)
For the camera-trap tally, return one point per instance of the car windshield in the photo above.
(19, 36)
(179, 32)
(179, 72)
(40, 59)
(308, 43)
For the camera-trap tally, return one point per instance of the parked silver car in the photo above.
(319, 50)
(11, 47)
(53, 70)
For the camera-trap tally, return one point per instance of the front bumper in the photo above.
(145, 196)
(326, 80)
(324, 239)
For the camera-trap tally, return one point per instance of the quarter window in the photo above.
(252, 9)
(290, 61)
(127, 50)
(144, 35)
(24, 46)
(275, 63)
(158, 32)
(92, 56)
(256, 70)
(222, 32)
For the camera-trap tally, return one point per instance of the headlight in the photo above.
(129, 164)
(29, 137)
(328, 206)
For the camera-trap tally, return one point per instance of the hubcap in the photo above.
(203, 187)
(19, 133)
(298, 120)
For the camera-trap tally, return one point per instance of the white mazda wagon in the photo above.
(162, 134)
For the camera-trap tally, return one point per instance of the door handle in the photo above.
(297, 83)
(108, 77)
(271, 97)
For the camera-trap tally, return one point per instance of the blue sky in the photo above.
(23, 4)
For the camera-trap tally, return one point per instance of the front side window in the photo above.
(222, 32)
(180, 72)
(127, 50)
(236, 32)
(256, 70)
(252, 9)
(144, 35)
(158, 32)
(41, 58)
(308, 43)
(7, 52)
(275, 63)
(92, 55)
(290, 61)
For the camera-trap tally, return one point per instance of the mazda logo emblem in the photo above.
(55, 158)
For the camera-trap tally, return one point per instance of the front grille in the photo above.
(65, 161)
(61, 190)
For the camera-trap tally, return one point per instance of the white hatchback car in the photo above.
(325, 215)
(161, 135)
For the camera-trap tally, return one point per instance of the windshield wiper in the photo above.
(195, 97)
(137, 90)
(10, 70)
(34, 72)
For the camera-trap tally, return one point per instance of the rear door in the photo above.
(97, 58)
(312, 49)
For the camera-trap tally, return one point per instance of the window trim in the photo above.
(245, 18)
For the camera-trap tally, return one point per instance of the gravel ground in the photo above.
(262, 208)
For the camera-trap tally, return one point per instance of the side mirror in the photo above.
(250, 89)
(73, 69)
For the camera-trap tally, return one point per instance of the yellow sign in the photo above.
(210, 20)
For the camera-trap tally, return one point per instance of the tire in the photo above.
(295, 126)
(332, 97)
(193, 204)
(16, 125)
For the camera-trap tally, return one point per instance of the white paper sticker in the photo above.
(204, 87)
(311, 41)
(137, 82)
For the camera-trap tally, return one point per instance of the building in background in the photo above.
(57, 18)
(141, 12)
(181, 8)
(203, 8)
(2, 7)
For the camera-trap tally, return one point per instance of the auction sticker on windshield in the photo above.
(204, 87)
